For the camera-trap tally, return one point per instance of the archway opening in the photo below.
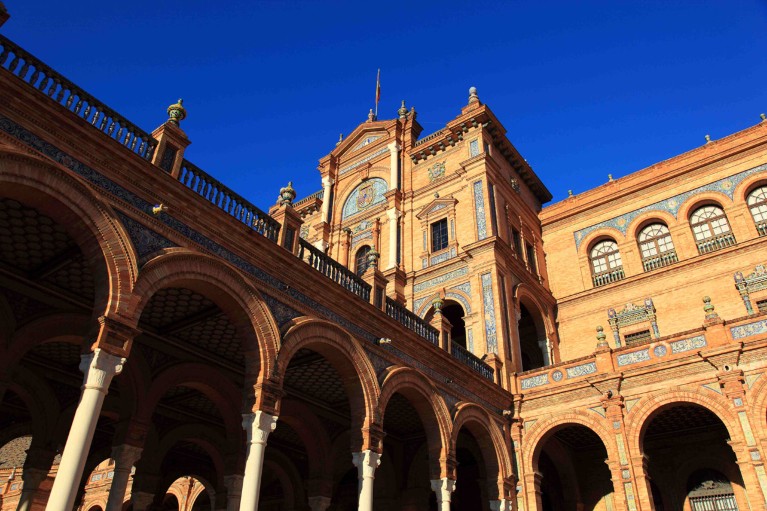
(685, 442)
(454, 313)
(471, 490)
(532, 338)
(571, 462)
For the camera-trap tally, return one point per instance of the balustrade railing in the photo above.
(762, 228)
(468, 358)
(333, 270)
(660, 260)
(224, 198)
(32, 71)
(315, 195)
(412, 321)
(716, 243)
(429, 137)
(608, 277)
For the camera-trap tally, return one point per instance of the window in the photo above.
(361, 260)
(473, 148)
(439, 235)
(517, 242)
(606, 264)
(711, 229)
(531, 258)
(757, 203)
(656, 247)
(637, 337)
(761, 305)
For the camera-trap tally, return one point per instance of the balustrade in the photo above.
(659, 261)
(475, 363)
(608, 277)
(333, 270)
(716, 243)
(411, 321)
(762, 228)
(33, 72)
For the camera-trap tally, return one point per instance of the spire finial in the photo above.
(176, 112)
(473, 98)
(402, 111)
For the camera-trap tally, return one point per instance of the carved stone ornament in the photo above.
(436, 171)
(99, 367)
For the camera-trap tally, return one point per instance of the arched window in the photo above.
(361, 260)
(606, 264)
(757, 203)
(656, 247)
(711, 229)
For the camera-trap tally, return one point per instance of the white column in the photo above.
(444, 489)
(545, 351)
(32, 477)
(233, 485)
(500, 505)
(99, 368)
(257, 426)
(327, 182)
(393, 164)
(366, 462)
(393, 215)
(319, 503)
(125, 457)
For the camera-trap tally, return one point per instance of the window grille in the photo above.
(637, 337)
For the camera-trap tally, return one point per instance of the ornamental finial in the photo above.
(708, 139)
(763, 117)
(177, 112)
(402, 111)
(371, 116)
(601, 338)
(473, 98)
(708, 308)
(287, 194)
(372, 257)
(340, 139)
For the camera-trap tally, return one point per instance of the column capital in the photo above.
(258, 425)
(394, 147)
(99, 367)
(327, 181)
(443, 488)
(366, 462)
(500, 505)
(126, 455)
(393, 214)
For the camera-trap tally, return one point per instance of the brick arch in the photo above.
(349, 360)
(203, 378)
(39, 399)
(747, 185)
(702, 199)
(647, 218)
(431, 408)
(523, 293)
(642, 414)
(204, 436)
(312, 433)
(489, 437)
(757, 396)
(90, 221)
(536, 438)
(584, 249)
(68, 327)
(426, 305)
(222, 284)
(290, 479)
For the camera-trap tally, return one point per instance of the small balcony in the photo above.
(659, 260)
(716, 243)
(762, 228)
(608, 277)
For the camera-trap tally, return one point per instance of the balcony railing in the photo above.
(659, 261)
(716, 243)
(468, 358)
(224, 198)
(333, 270)
(429, 137)
(608, 277)
(411, 321)
(41, 77)
(315, 195)
(762, 228)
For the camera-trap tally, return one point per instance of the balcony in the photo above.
(660, 260)
(716, 243)
(761, 227)
(608, 277)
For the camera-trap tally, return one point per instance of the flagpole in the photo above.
(378, 90)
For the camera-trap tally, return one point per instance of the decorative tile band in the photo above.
(755, 328)
(687, 344)
(362, 236)
(581, 370)
(426, 284)
(351, 166)
(487, 296)
(470, 340)
(535, 381)
(633, 357)
(479, 211)
(671, 205)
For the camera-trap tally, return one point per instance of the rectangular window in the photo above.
(761, 305)
(517, 242)
(493, 215)
(531, 258)
(439, 235)
(473, 148)
(637, 337)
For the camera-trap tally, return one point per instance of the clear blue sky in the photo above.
(583, 88)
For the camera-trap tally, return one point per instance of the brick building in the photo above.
(418, 334)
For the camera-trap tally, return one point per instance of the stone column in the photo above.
(125, 457)
(233, 484)
(327, 183)
(393, 215)
(366, 462)
(444, 489)
(99, 368)
(142, 500)
(500, 505)
(257, 425)
(393, 165)
(319, 503)
(32, 478)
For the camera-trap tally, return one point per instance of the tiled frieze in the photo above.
(489, 302)
(634, 357)
(755, 328)
(426, 284)
(688, 344)
(479, 211)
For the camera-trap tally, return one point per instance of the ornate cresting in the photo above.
(755, 281)
(632, 314)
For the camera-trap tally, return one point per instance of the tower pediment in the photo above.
(436, 206)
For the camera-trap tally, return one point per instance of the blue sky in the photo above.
(583, 88)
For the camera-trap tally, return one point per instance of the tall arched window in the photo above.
(757, 203)
(606, 264)
(361, 260)
(711, 229)
(656, 247)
